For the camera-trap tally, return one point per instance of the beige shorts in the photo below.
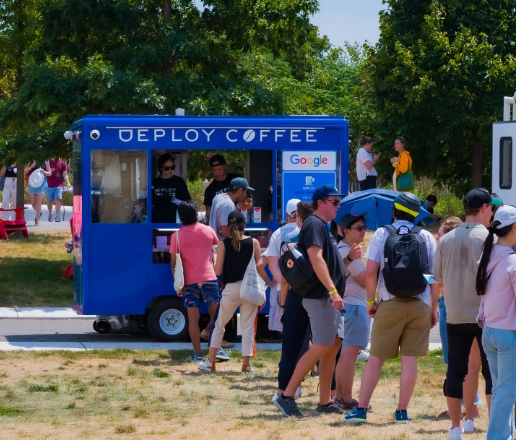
(401, 326)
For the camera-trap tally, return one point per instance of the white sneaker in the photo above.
(298, 393)
(206, 366)
(454, 434)
(363, 356)
(275, 397)
(469, 426)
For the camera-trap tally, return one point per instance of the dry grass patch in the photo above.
(159, 394)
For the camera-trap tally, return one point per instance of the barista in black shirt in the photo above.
(221, 181)
(168, 191)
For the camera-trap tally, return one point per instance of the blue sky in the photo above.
(349, 20)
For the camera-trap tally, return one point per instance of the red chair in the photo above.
(7, 227)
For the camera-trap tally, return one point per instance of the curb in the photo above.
(41, 313)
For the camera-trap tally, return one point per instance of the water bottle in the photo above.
(296, 253)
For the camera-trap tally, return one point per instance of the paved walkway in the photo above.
(44, 224)
(41, 313)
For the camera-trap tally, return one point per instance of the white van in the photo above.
(504, 135)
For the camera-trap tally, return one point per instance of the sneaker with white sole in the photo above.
(207, 366)
(58, 219)
(288, 406)
(454, 434)
(363, 356)
(226, 344)
(195, 357)
(469, 426)
(222, 355)
(50, 218)
(298, 393)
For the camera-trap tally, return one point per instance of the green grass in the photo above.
(31, 274)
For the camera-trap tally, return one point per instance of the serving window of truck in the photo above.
(122, 233)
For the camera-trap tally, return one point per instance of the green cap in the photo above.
(240, 182)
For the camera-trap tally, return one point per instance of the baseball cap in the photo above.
(506, 215)
(350, 218)
(217, 159)
(240, 182)
(408, 202)
(236, 217)
(478, 197)
(325, 190)
(292, 206)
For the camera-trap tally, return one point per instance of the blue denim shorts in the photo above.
(194, 294)
(355, 326)
(54, 193)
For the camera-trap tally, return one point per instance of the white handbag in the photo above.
(252, 289)
(179, 277)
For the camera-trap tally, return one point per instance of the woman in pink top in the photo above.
(196, 243)
(496, 283)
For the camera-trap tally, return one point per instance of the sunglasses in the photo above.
(401, 138)
(360, 228)
(334, 202)
(169, 168)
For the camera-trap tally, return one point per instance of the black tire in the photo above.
(168, 321)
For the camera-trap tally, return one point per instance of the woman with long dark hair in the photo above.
(233, 256)
(496, 283)
(403, 178)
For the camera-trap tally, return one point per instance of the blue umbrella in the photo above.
(378, 203)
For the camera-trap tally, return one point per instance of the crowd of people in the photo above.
(52, 178)
(408, 275)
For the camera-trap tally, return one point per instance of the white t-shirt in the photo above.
(355, 294)
(375, 252)
(283, 234)
(362, 157)
(221, 207)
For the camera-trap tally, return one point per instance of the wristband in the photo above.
(350, 259)
(370, 303)
(282, 307)
(333, 292)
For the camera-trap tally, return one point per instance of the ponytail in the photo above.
(482, 277)
(234, 232)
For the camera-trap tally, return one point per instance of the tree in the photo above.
(437, 76)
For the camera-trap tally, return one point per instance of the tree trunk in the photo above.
(476, 160)
(20, 27)
(167, 17)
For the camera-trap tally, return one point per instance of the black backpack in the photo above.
(406, 260)
(295, 267)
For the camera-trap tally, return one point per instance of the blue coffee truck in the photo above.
(121, 255)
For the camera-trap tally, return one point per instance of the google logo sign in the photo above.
(315, 161)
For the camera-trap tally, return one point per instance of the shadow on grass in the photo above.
(35, 238)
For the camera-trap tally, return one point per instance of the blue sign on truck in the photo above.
(120, 264)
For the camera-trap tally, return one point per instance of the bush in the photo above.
(448, 204)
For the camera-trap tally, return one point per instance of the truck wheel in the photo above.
(168, 321)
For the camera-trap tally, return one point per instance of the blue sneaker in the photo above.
(358, 415)
(401, 417)
(223, 356)
(195, 357)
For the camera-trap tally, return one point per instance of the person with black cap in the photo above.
(233, 256)
(221, 181)
(323, 305)
(406, 312)
(355, 323)
(456, 265)
(224, 203)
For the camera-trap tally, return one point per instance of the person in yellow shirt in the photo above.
(402, 164)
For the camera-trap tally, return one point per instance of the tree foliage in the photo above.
(438, 76)
(245, 57)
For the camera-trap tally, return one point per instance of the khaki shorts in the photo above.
(401, 326)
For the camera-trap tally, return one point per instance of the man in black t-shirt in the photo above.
(323, 305)
(221, 181)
